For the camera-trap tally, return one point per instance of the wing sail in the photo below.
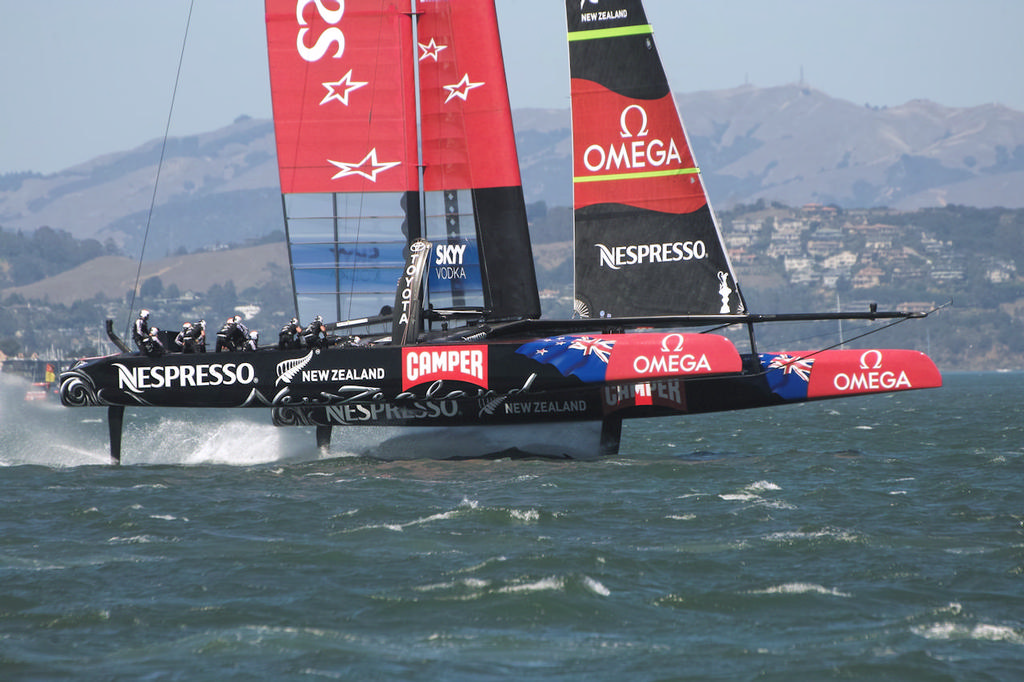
(646, 240)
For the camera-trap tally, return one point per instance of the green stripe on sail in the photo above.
(637, 176)
(640, 29)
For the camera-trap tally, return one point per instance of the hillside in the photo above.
(113, 276)
(790, 144)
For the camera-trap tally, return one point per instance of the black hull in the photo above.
(488, 383)
(599, 379)
(491, 383)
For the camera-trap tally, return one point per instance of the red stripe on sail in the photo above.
(342, 81)
(632, 152)
(468, 139)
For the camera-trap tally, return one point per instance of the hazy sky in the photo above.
(81, 79)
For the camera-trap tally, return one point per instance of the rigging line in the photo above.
(843, 343)
(871, 330)
(806, 356)
(160, 163)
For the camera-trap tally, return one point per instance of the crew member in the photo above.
(315, 335)
(151, 345)
(226, 336)
(184, 339)
(290, 336)
(235, 336)
(140, 330)
(199, 336)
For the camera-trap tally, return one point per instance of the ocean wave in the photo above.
(549, 584)
(763, 486)
(947, 631)
(525, 515)
(823, 533)
(801, 588)
(465, 505)
(595, 586)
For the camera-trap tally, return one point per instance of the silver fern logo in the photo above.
(287, 369)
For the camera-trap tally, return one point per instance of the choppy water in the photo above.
(877, 538)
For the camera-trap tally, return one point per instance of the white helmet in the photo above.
(187, 325)
(236, 319)
(144, 314)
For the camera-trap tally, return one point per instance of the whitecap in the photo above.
(761, 486)
(551, 584)
(131, 540)
(982, 632)
(595, 586)
(801, 588)
(831, 533)
(482, 565)
(526, 515)
(738, 497)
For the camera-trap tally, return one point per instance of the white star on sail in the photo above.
(431, 49)
(375, 167)
(339, 90)
(460, 89)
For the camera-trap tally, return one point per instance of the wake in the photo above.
(47, 434)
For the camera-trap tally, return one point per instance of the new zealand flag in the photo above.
(788, 375)
(583, 356)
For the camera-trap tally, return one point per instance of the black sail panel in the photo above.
(651, 276)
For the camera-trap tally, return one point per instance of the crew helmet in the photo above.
(294, 321)
(187, 325)
(318, 319)
(236, 319)
(144, 314)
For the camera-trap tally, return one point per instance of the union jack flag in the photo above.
(599, 347)
(583, 356)
(789, 364)
(787, 374)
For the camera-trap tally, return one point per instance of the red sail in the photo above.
(342, 80)
(468, 140)
(351, 130)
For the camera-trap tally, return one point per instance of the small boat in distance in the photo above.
(406, 223)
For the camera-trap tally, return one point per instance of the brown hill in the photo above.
(791, 144)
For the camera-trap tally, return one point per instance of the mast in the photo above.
(407, 312)
(416, 225)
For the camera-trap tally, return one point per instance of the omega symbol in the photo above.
(865, 363)
(625, 125)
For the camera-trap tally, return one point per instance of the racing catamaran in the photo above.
(406, 221)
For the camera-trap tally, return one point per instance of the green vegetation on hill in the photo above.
(46, 252)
